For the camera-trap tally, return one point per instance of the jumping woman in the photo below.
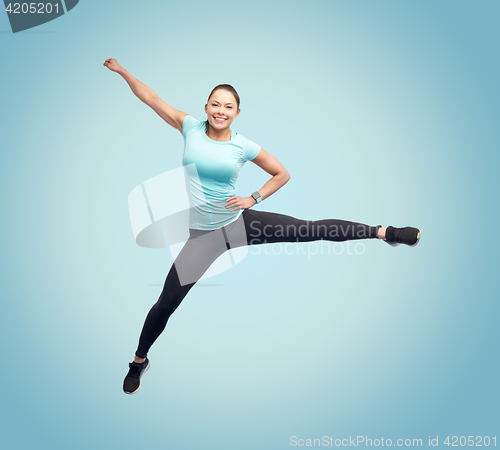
(220, 220)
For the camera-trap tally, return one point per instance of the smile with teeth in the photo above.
(220, 119)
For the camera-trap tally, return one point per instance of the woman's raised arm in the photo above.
(170, 115)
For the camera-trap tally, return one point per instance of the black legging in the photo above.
(252, 228)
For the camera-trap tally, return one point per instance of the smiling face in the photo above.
(222, 109)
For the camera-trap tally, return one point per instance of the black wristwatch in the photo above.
(256, 196)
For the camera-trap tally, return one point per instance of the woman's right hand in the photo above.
(112, 64)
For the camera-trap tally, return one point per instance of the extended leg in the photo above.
(266, 228)
(156, 320)
(195, 258)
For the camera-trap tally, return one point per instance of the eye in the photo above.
(230, 107)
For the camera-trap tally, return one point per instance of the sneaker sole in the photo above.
(140, 379)
(418, 238)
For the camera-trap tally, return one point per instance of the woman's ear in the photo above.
(237, 113)
(206, 109)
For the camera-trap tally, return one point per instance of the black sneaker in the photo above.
(408, 236)
(132, 382)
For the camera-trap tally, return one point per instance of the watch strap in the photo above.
(257, 197)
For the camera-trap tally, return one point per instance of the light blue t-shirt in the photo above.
(217, 167)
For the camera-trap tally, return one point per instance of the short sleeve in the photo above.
(189, 124)
(251, 150)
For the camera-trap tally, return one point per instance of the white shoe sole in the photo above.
(418, 238)
(140, 379)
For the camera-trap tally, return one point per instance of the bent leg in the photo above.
(199, 252)
(266, 228)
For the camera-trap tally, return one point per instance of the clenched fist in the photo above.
(112, 64)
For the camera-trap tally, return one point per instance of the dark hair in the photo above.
(226, 87)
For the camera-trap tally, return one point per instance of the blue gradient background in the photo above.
(382, 111)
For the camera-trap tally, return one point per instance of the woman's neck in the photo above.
(219, 135)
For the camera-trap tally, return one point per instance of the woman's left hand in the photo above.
(239, 202)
